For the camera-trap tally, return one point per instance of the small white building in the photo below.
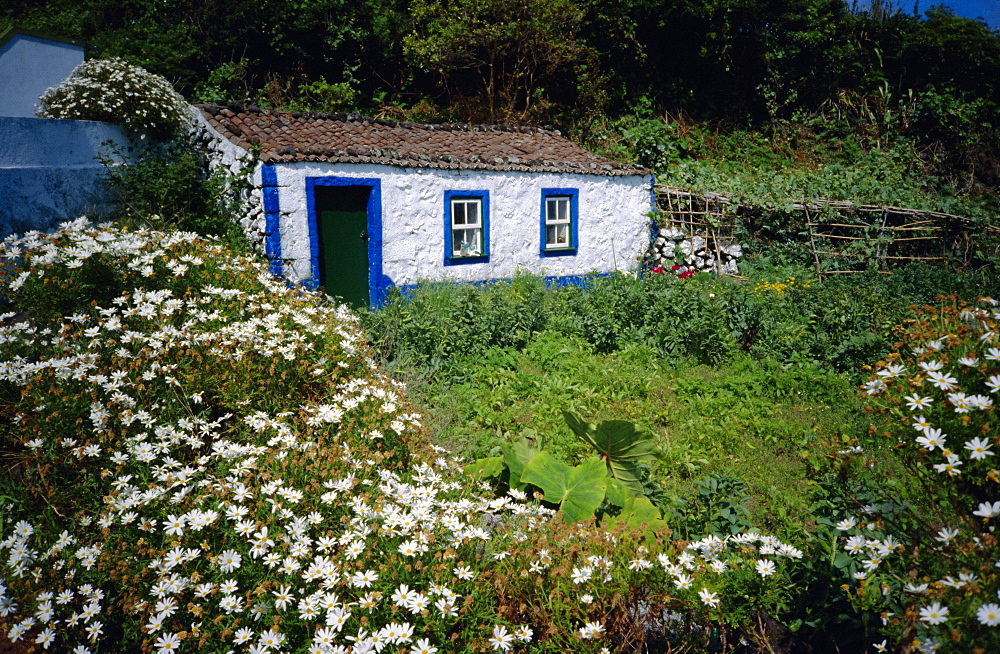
(30, 63)
(356, 205)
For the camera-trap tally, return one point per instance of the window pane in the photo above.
(557, 210)
(557, 236)
(472, 212)
(465, 242)
(457, 213)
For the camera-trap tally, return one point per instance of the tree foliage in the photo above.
(496, 55)
(861, 80)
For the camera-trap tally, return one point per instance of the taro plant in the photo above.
(621, 446)
(614, 476)
(524, 466)
(578, 490)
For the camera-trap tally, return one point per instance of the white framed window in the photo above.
(467, 227)
(559, 221)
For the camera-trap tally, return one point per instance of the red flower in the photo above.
(657, 269)
(675, 267)
(686, 274)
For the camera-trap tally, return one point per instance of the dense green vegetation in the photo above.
(781, 313)
(761, 100)
(704, 363)
(749, 392)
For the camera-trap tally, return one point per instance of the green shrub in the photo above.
(782, 313)
(170, 186)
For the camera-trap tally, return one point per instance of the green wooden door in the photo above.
(342, 230)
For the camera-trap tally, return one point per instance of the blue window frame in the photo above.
(466, 227)
(559, 222)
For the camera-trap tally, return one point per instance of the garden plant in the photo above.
(116, 91)
(200, 458)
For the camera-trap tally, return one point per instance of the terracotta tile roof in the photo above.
(351, 138)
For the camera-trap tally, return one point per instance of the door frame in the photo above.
(374, 213)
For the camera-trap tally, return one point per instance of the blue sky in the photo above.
(988, 10)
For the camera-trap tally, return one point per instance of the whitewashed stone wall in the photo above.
(232, 159)
(613, 221)
(672, 245)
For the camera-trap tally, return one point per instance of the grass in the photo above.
(745, 419)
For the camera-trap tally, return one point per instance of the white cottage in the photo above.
(356, 205)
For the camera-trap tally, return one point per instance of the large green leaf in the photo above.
(618, 493)
(620, 445)
(638, 512)
(516, 455)
(485, 468)
(578, 490)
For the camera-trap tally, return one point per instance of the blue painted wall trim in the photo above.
(450, 260)
(574, 222)
(272, 217)
(378, 283)
(654, 220)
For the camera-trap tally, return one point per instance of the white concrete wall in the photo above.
(48, 171)
(613, 221)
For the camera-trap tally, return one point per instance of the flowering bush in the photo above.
(115, 91)
(682, 272)
(200, 458)
(931, 566)
(765, 288)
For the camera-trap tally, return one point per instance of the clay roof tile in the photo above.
(344, 138)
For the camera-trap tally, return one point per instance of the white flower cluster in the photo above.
(946, 384)
(115, 91)
(707, 561)
(226, 531)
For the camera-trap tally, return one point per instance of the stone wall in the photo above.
(694, 252)
(233, 160)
